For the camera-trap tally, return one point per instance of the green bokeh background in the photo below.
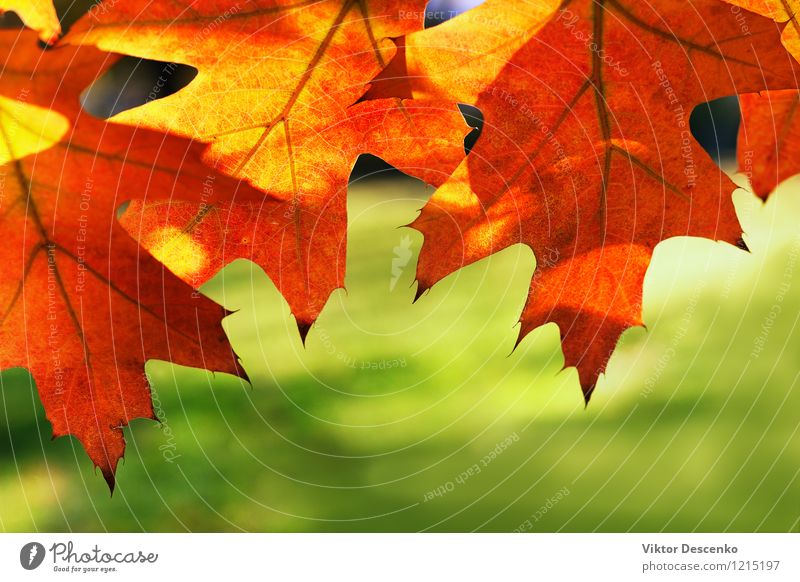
(690, 430)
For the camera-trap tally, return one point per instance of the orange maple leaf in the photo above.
(784, 12)
(586, 153)
(274, 99)
(768, 147)
(81, 306)
(302, 245)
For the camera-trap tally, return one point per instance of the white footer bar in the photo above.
(401, 557)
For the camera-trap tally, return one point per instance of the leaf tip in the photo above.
(588, 390)
(303, 327)
(520, 335)
(740, 243)
(108, 475)
(241, 372)
(421, 289)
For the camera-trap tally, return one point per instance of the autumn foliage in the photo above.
(585, 155)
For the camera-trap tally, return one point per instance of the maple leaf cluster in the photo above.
(585, 155)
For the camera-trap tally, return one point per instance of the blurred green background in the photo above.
(691, 429)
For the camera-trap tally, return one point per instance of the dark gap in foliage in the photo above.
(69, 11)
(132, 82)
(122, 208)
(715, 125)
(474, 118)
(369, 167)
(439, 11)
(10, 21)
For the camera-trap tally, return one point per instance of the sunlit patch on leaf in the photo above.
(28, 129)
(175, 249)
